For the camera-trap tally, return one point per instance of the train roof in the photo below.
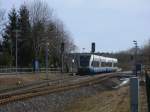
(102, 58)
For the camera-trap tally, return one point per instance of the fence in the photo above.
(27, 70)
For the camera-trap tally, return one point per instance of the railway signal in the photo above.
(93, 47)
(62, 47)
(92, 52)
(136, 52)
(1, 49)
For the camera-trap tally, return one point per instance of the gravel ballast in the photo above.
(59, 101)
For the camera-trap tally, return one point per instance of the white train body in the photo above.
(92, 64)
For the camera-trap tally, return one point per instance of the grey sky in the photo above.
(112, 24)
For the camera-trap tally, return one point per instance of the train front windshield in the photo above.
(84, 61)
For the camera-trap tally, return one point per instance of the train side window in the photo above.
(109, 64)
(103, 64)
(84, 61)
(95, 64)
(106, 64)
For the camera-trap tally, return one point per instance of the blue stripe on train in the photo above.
(100, 70)
(94, 70)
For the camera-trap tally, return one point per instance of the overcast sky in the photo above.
(112, 24)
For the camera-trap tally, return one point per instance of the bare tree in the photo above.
(65, 37)
(40, 12)
(146, 53)
(47, 29)
(2, 13)
(2, 16)
(40, 15)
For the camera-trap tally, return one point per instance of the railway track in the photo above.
(36, 84)
(51, 88)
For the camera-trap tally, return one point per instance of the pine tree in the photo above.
(9, 36)
(25, 52)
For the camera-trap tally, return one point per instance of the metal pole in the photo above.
(62, 56)
(62, 62)
(16, 52)
(135, 61)
(134, 94)
(135, 58)
(93, 62)
(72, 65)
(46, 60)
(135, 52)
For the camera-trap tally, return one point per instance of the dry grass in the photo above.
(108, 101)
(8, 81)
(143, 99)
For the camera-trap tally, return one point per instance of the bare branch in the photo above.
(40, 12)
(2, 18)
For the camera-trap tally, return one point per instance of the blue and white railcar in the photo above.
(92, 64)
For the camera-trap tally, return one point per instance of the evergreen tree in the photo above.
(9, 36)
(25, 51)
